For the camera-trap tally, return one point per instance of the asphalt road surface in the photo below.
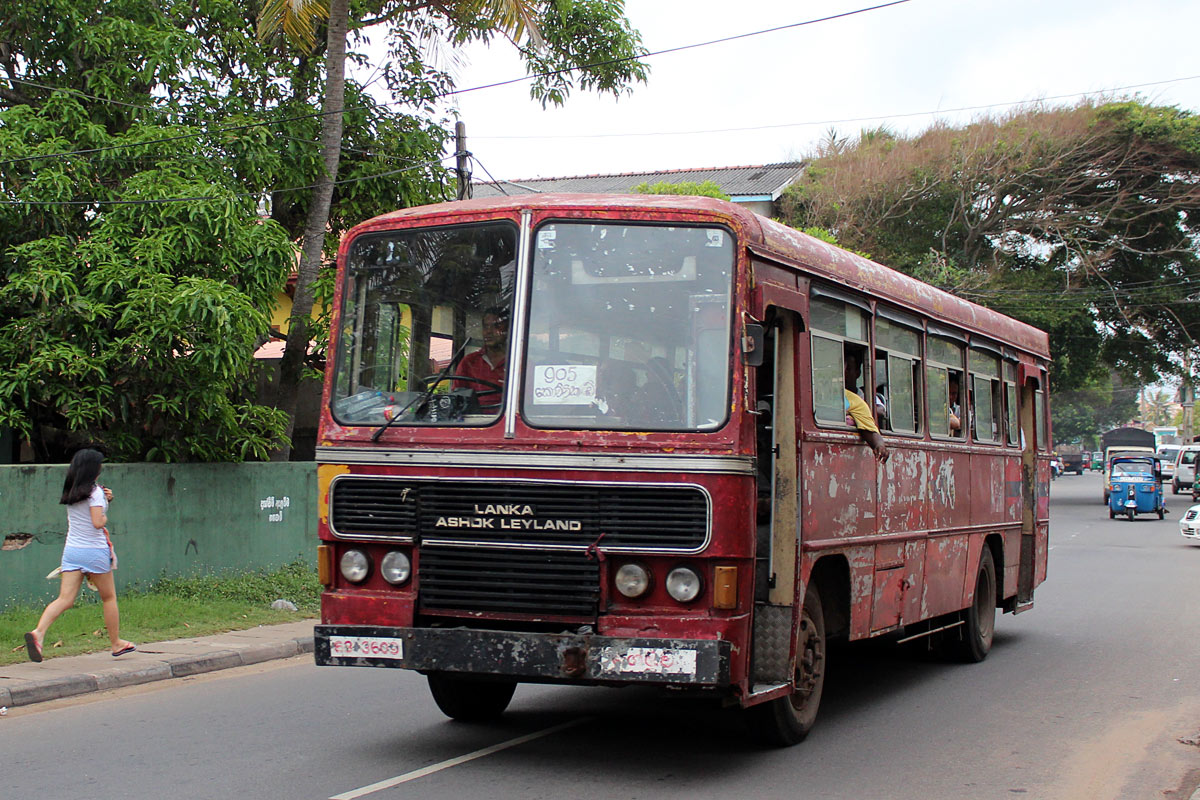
(1085, 696)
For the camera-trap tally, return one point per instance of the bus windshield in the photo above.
(628, 327)
(424, 326)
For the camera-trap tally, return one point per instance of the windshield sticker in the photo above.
(564, 385)
(545, 239)
(715, 239)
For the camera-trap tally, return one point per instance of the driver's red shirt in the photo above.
(478, 365)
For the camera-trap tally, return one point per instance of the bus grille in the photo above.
(372, 507)
(634, 517)
(508, 581)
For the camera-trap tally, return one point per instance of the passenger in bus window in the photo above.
(955, 408)
(616, 389)
(488, 362)
(860, 414)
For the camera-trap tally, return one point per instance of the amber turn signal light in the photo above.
(725, 587)
(325, 564)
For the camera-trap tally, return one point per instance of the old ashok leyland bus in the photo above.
(603, 440)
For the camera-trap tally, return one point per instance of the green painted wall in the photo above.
(165, 519)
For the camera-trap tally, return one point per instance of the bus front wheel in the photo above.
(469, 699)
(785, 721)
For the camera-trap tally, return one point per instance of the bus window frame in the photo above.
(915, 364)
(934, 363)
(815, 333)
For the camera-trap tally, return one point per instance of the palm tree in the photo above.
(299, 21)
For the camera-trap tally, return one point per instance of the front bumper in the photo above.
(1190, 529)
(534, 657)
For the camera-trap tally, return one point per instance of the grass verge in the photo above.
(170, 608)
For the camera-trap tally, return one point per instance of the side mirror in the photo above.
(753, 338)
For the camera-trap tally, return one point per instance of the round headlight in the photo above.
(633, 580)
(395, 568)
(355, 566)
(683, 584)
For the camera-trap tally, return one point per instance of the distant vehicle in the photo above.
(1189, 526)
(1097, 461)
(1166, 454)
(1087, 460)
(1135, 487)
(1113, 453)
(1185, 467)
(1072, 459)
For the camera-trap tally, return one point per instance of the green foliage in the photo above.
(703, 189)
(1101, 403)
(172, 608)
(1081, 221)
(296, 582)
(132, 323)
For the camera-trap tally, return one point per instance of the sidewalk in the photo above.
(27, 683)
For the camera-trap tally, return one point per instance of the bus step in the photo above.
(1023, 606)
(764, 688)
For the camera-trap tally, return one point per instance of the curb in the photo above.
(32, 692)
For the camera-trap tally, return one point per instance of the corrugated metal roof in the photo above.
(750, 181)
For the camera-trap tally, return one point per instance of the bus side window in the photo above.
(898, 374)
(1012, 428)
(839, 345)
(985, 390)
(944, 377)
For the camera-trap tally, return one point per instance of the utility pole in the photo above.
(1186, 397)
(463, 163)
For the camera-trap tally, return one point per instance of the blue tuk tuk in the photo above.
(1135, 487)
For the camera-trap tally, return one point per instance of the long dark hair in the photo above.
(81, 476)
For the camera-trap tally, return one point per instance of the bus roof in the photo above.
(772, 240)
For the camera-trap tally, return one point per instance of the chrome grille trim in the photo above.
(634, 517)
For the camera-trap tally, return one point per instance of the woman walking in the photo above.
(88, 552)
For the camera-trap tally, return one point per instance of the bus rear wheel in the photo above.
(979, 627)
(470, 699)
(785, 721)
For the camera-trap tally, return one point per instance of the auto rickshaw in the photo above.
(1135, 487)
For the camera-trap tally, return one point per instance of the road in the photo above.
(1084, 697)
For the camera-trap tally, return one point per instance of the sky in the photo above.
(903, 66)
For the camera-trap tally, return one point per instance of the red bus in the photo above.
(603, 440)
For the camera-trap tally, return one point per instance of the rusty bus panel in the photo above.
(904, 492)
(945, 571)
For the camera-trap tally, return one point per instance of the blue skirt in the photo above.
(92, 560)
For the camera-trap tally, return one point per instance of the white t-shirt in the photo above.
(80, 530)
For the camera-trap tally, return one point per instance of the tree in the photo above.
(136, 268)
(1084, 413)
(1079, 220)
(564, 42)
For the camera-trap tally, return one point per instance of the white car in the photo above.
(1189, 525)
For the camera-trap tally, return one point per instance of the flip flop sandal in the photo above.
(31, 647)
(127, 649)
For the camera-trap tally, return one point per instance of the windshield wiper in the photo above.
(423, 398)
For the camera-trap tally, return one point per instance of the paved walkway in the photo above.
(26, 683)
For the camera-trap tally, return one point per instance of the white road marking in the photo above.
(454, 762)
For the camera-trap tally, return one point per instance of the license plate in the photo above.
(366, 647)
(648, 660)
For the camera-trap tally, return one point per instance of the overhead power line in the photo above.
(844, 120)
(452, 92)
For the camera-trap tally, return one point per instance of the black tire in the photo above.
(785, 721)
(470, 699)
(979, 629)
(1106, 498)
(1162, 513)
(1112, 514)
(1174, 487)
(1131, 513)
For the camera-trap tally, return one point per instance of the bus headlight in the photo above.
(355, 566)
(683, 584)
(395, 568)
(633, 580)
